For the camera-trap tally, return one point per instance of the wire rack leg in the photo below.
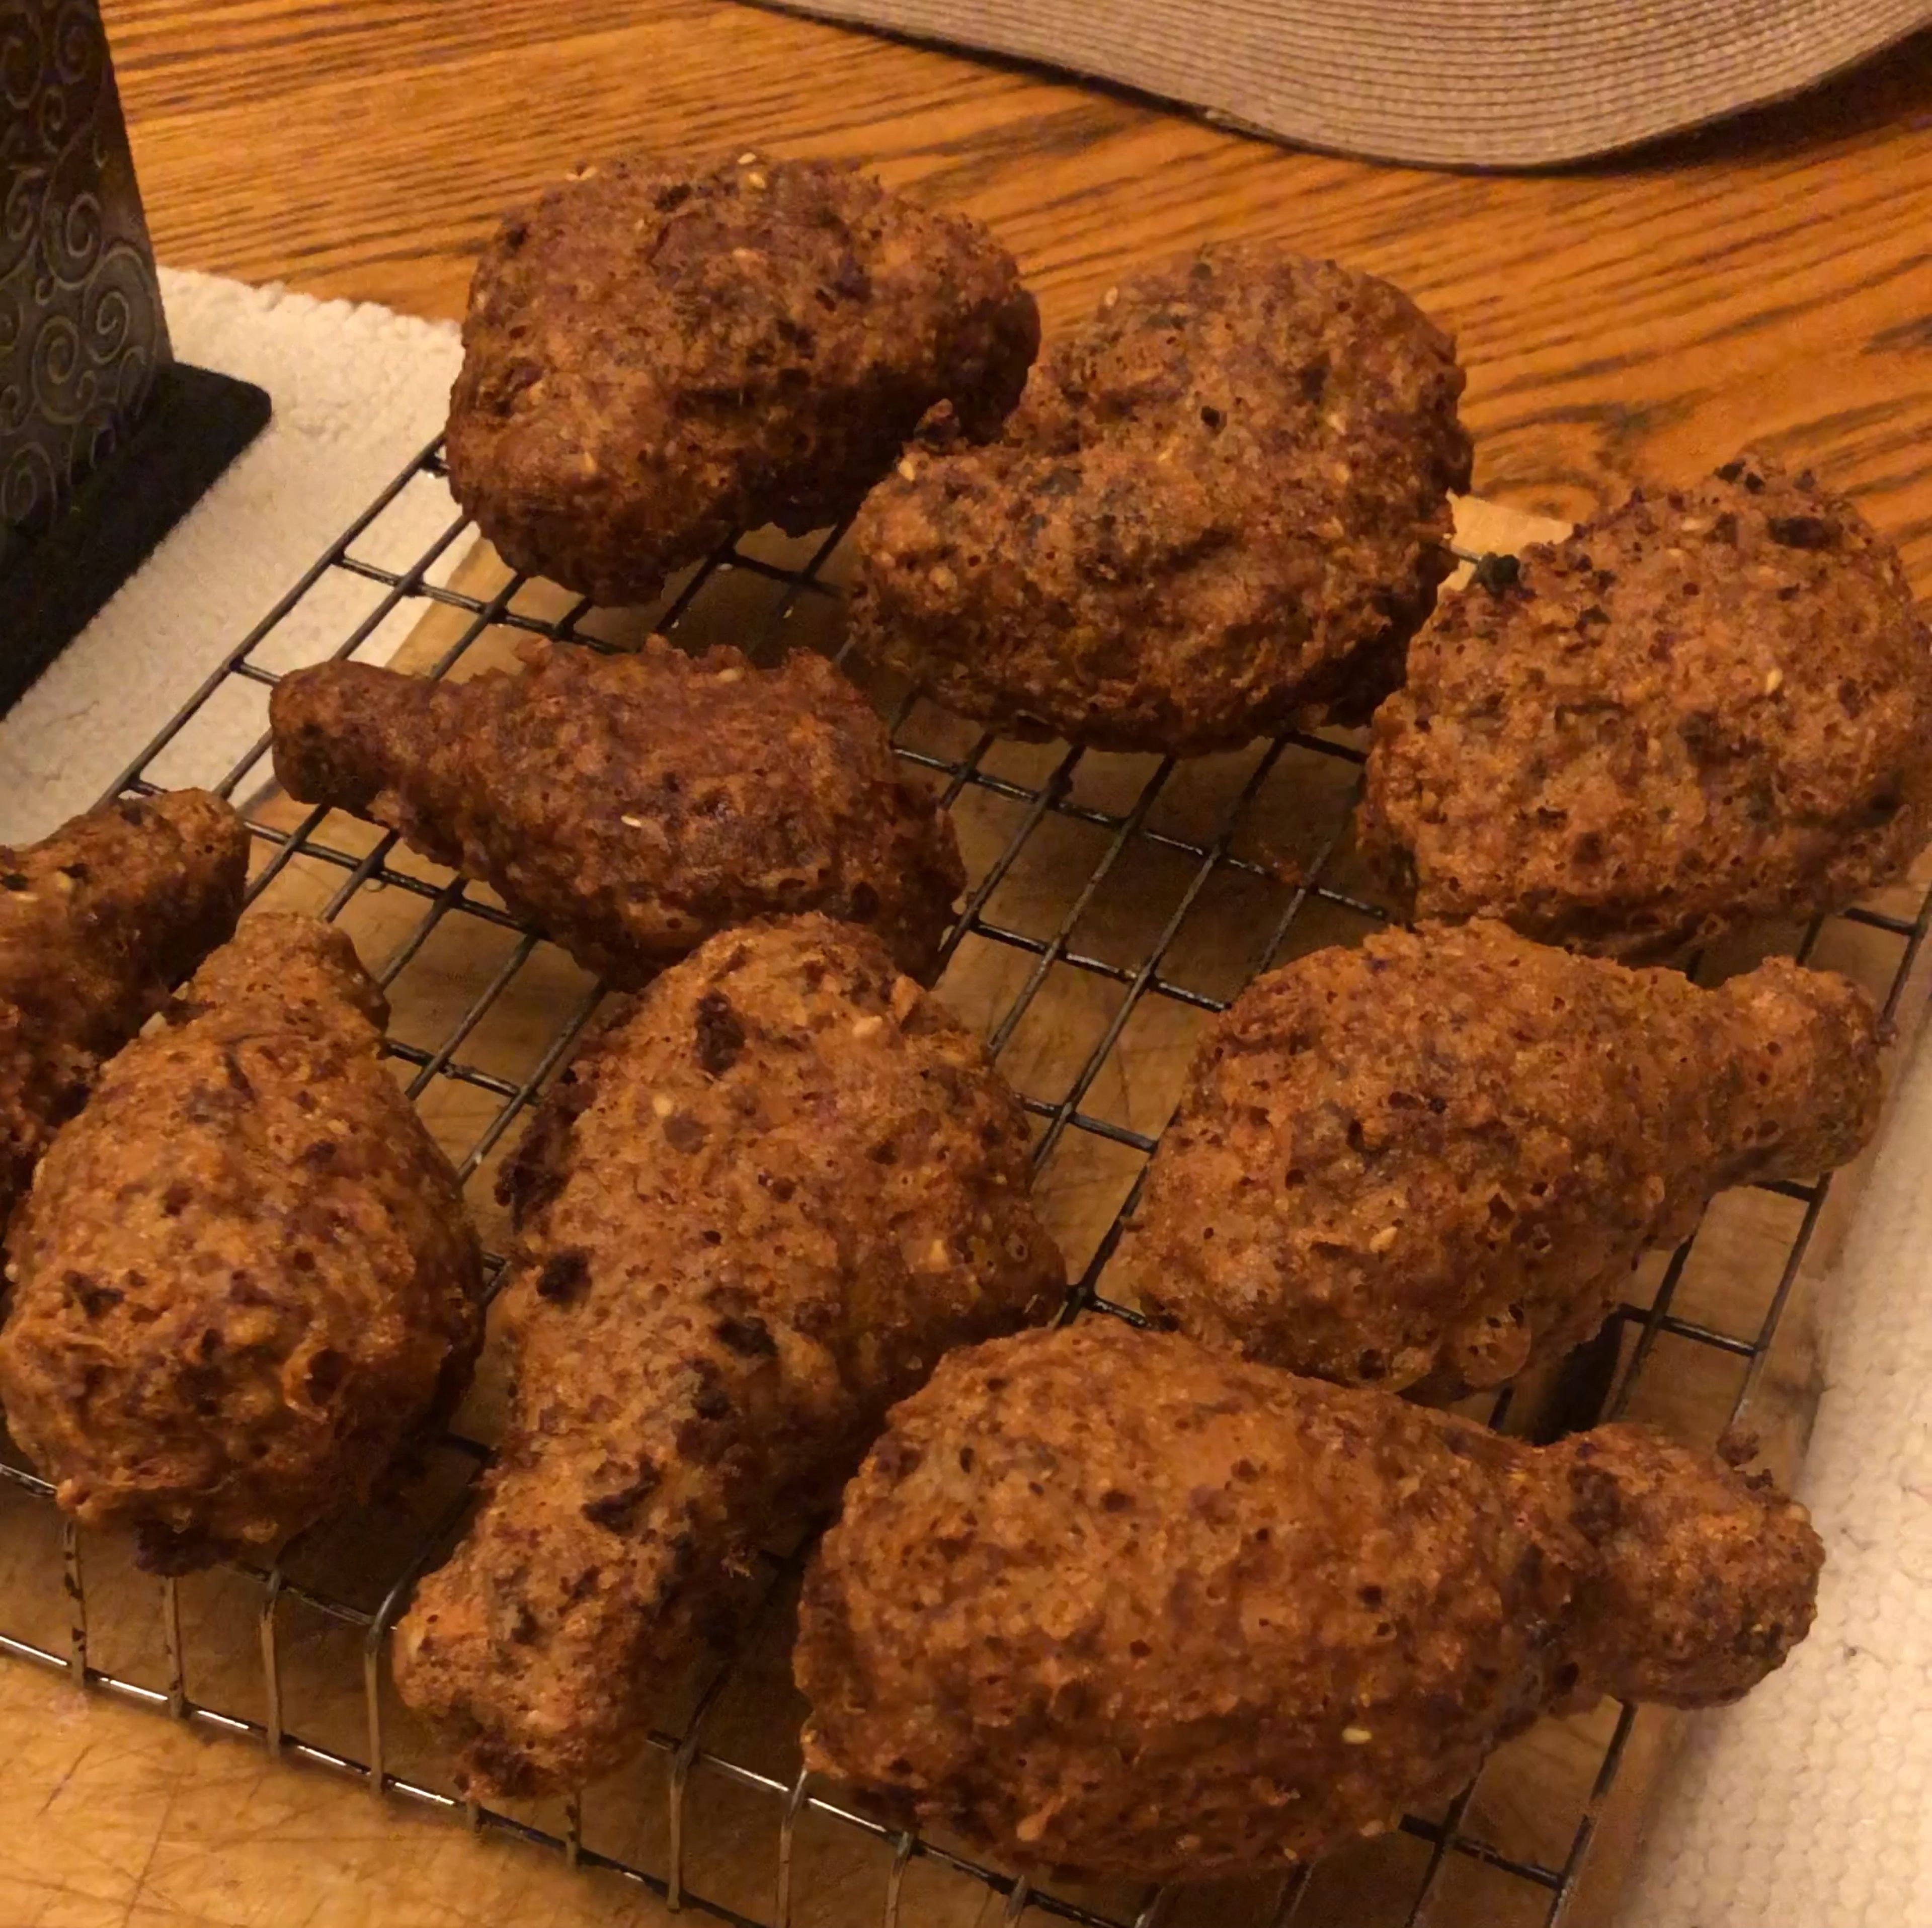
(73, 1587)
(1438, 1855)
(1288, 1904)
(680, 1782)
(787, 1830)
(271, 1665)
(895, 1880)
(372, 1700)
(171, 1634)
(682, 1763)
(1159, 1906)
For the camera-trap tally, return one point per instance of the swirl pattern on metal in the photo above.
(81, 330)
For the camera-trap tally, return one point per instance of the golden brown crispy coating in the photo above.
(1102, 1599)
(660, 354)
(1707, 708)
(1701, 1581)
(98, 924)
(1437, 1156)
(632, 805)
(243, 1278)
(756, 1213)
(1221, 509)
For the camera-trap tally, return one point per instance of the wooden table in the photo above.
(1768, 282)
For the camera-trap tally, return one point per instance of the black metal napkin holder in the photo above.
(106, 440)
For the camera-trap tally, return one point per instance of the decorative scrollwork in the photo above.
(82, 332)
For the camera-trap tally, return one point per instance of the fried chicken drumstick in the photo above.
(243, 1278)
(755, 1213)
(1436, 1156)
(1104, 1599)
(97, 925)
(633, 805)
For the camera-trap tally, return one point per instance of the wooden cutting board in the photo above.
(111, 1814)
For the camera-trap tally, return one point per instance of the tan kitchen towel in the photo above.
(1481, 83)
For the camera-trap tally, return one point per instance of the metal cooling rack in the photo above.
(410, 591)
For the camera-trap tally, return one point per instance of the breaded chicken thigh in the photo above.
(1708, 707)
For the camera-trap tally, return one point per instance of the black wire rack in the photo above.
(1122, 816)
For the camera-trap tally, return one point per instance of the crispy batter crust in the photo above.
(243, 1278)
(1436, 1156)
(754, 1214)
(1221, 509)
(659, 355)
(98, 924)
(632, 805)
(1711, 707)
(1698, 1580)
(1102, 1599)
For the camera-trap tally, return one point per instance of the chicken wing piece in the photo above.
(98, 924)
(633, 805)
(1437, 1156)
(1104, 1599)
(756, 1213)
(243, 1279)
(1707, 708)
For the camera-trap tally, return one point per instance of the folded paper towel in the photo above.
(357, 390)
(1809, 1805)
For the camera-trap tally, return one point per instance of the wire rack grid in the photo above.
(1126, 823)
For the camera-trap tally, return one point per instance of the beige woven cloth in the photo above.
(1485, 83)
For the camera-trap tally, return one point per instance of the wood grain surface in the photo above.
(1771, 281)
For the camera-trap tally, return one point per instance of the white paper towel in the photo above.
(1810, 1804)
(357, 390)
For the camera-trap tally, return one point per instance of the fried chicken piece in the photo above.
(243, 1279)
(1102, 1599)
(632, 805)
(1436, 1158)
(98, 924)
(756, 1213)
(661, 354)
(1221, 510)
(1705, 709)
